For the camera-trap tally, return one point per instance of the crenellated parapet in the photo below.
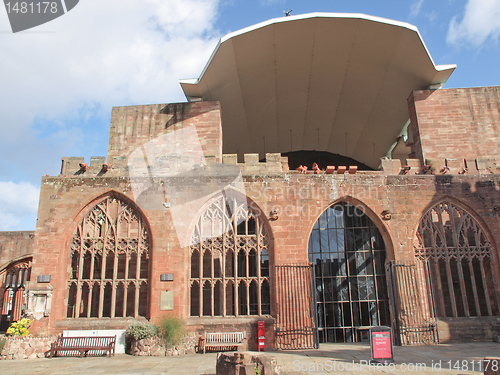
(76, 166)
(440, 166)
(275, 163)
(140, 166)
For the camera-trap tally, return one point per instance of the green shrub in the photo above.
(172, 329)
(141, 331)
(19, 328)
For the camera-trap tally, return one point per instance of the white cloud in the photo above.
(415, 8)
(111, 52)
(481, 21)
(118, 48)
(18, 206)
(100, 54)
(431, 16)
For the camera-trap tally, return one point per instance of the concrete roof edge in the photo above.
(443, 67)
(316, 15)
(185, 83)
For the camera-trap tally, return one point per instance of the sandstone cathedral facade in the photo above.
(318, 178)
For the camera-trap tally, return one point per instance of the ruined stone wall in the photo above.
(14, 246)
(152, 140)
(299, 200)
(64, 202)
(134, 126)
(456, 123)
(171, 199)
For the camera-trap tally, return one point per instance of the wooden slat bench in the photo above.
(83, 345)
(221, 340)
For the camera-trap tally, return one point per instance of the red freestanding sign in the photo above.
(381, 345)
(262, 335)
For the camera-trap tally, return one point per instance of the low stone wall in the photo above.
(465, 329)
(17, 347)
(155, 346)
(200, 325)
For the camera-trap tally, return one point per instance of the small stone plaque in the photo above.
(167, 300)
(43, 279)
(167, 277)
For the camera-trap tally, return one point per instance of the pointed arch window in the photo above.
(109, 257)
(460, 261)
(229, 256)
(14, 290)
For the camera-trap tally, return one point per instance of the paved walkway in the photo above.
(353, 359)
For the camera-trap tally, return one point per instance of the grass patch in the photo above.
(172, 329)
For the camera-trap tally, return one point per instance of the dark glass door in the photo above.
(348, 254)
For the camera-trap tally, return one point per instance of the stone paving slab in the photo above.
(347, 359)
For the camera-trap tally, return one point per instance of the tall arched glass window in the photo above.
(460, 262)
(229, 255)
(109, 258)
(348, 254)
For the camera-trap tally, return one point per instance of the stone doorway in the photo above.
(348, 254)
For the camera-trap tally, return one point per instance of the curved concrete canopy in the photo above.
(320, 81)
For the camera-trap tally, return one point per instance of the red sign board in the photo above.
(381, 344)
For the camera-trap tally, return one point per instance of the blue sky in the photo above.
(58, 81)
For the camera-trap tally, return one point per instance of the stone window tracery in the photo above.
(109, 255)
(14, 296)
(229, 256)
(460, 261)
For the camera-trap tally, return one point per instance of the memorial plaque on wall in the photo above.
(167, 300)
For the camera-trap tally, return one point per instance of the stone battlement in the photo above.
(440, 166)
(275, 163)
(75, 166)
